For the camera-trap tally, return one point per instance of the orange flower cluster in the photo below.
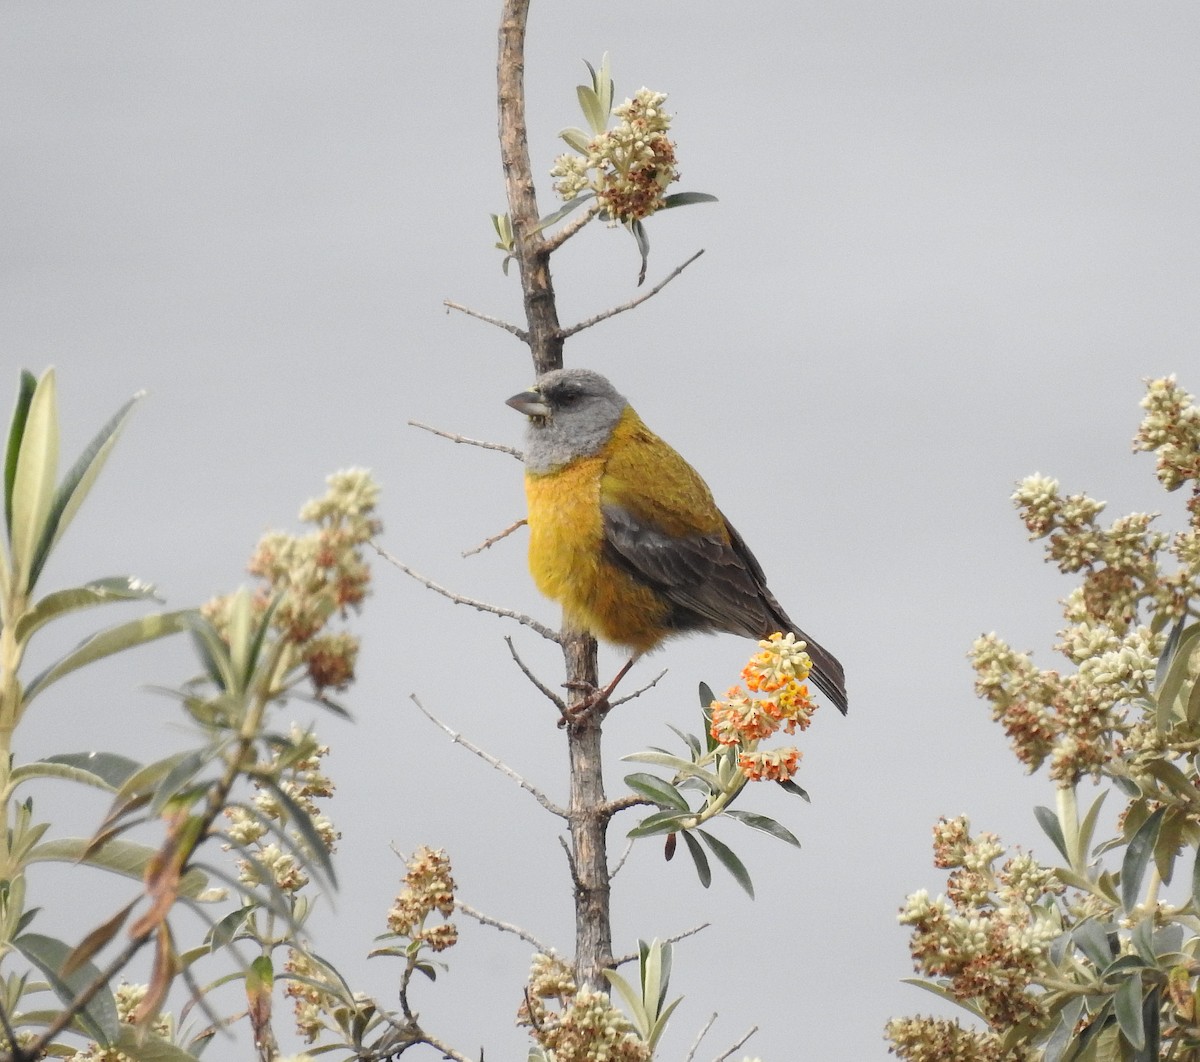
(777, 674)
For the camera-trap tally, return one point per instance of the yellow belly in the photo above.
(566, 558)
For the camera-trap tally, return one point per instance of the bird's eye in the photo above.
(568, 398)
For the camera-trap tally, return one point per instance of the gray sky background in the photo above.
(952, 238)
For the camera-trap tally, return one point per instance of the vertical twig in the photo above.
(588, 823)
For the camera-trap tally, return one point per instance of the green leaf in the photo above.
(1048, 821)
(567, 208)
(102, 770)
(729, 861)
(942, 993)
(593, 111)
(1168, 653)
(126, 858)
(766, 825)
(226, 929)
(678, 199)
(99, 592)
(1177, 671)
(788, 786)
(577, 139)
(632, 998)
(690, 740)
(179, 777)
(1063, 1031)
(1169, 842)
(77, 484)
(107, 642)
(99, 1016)
(1128, 1006)
(1092, 939)
(1137, 856)
(674, 763)
(654, 788)
(33, 481)
(659, 822)
(1151, 1010)
(703, 870)
(16, 432)
(642, 239)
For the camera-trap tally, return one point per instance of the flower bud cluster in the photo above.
(584, 1026)
(317, 576)
(989, 936)
(428, 887)
(295, 767)
(777, 674)
(628, 167)
(127, 998)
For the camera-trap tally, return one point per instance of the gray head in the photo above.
(572, 413)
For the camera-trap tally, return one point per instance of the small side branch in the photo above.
(459, 599)
(553, 243)
(642, 689)
(546, 692)
(484, 444)
(491, 760)
(504, 927)
(750, 1032)
(488, 543)
(675, 940)
(566, 333)
(520, 333)
(691, 1055)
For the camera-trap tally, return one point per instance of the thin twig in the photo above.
(558, 702)
(691, 1055)
(673, 940)
(752, 1031)
(621, 862)
(8, 1030)
(459, 599)
(565, 333)
(466, 440)
(491, 760)
(520, 333)
(638, 692)
(488, 543)
(553, 243)
(504, 927)
(624, 803)
(570, 862)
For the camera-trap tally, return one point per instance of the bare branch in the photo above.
(484, 444)
(721, 1058)
(553, 243)
(504, 927)
(488, 543)
(624, 803)
(638, 692)
(675, 940)
(566, 333)
(570, 862)
(546, 692)
(487, 758)
(520, 333)
(691, 1055)
(459, 599)
(621, 862)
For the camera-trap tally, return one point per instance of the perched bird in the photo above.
(625, 535)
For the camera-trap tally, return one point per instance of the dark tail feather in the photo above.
(827, 673)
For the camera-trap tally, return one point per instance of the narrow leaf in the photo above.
(301, 821)
(729, 861)
(654, 788)
(567, 208)
(765, 824)
(690, 740)
(643, 245)
(659, 822)
(16, 432)
(99, 592)
(106, 643)
(96, 940)
(1092, 939)
(1128, 1006)
(99, 1017)
(593, 111)
(703, 870)
(103, 770)
(126, 858)
(33, 482)
(789, 786)
(1048, 821)
(78, 483)
(678, 199)
(1068, 1018)
(632, 998)
(1137, 856)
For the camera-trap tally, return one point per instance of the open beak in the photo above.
(530, 403)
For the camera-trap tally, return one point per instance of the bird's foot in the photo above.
(595, 701)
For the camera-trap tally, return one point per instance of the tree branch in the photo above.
(504, 927)
(459, 599)
(468, 441)
(520, 333)
(566, 333)
(491, 760)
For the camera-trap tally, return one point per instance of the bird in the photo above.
(625, 535)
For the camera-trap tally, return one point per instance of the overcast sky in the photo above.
(952, 238)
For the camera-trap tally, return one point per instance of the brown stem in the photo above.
(588, 823)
